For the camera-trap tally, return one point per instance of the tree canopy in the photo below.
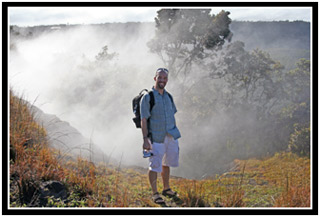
(185, 36)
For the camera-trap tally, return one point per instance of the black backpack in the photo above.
(136, 106)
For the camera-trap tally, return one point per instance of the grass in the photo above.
(279, 181)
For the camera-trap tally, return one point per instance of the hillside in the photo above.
(285, 41)
(260, 34)
(62, 136)
(271, 35)
(38, 178)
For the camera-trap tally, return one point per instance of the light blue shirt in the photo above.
(162, 119)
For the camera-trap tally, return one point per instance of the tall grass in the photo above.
(280, 181)
(31, 161)
(295, 181)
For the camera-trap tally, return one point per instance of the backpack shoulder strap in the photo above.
(143, 91)
(151, 106)
(170, 96)
(151, 99)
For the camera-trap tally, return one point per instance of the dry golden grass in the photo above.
(280, 181)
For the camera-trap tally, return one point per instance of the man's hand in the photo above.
(146, 144)
(146, 141)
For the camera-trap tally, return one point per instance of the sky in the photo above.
(33, 16)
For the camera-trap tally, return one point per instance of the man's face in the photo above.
(161, 79)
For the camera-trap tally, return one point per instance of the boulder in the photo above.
(53, 189)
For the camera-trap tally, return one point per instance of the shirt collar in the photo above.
(155, 90)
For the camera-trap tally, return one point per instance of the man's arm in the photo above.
(144, 128)
(145, 114)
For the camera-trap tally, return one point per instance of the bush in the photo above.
(300, 140)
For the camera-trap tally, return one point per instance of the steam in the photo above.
(58, 70)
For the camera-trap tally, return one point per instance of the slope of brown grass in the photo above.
(280, 181)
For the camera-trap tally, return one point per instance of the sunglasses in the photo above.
(162, 70)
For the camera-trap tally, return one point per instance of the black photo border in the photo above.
(158, 211)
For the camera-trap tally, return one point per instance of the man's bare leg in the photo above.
(165, 177)
(153, 181)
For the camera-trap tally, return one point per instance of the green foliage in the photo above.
(298, 82)
(300, 141)
(252, 78)
(184, 36)
(246, 82)
(296, 114)
(251, 112)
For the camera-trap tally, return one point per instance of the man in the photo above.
(160, 135)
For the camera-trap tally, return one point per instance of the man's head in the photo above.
(161, 78)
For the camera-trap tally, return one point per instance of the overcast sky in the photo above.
(31, 16)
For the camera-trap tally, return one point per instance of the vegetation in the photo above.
(280, 181)
(248, 102)
(185, 36)
(237, 104)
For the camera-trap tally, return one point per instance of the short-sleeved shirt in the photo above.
(162, 120)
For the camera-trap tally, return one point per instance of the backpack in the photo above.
(136, 105)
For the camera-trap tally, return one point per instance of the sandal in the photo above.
(168, 193)
(157, 198)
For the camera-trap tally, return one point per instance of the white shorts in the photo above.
(164, 154)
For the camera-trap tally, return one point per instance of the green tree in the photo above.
(296, 115)
(187, 36)
(300, 140)
(297, 89)
(298, 82)
(249, 78)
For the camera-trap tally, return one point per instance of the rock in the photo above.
(53, 189)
